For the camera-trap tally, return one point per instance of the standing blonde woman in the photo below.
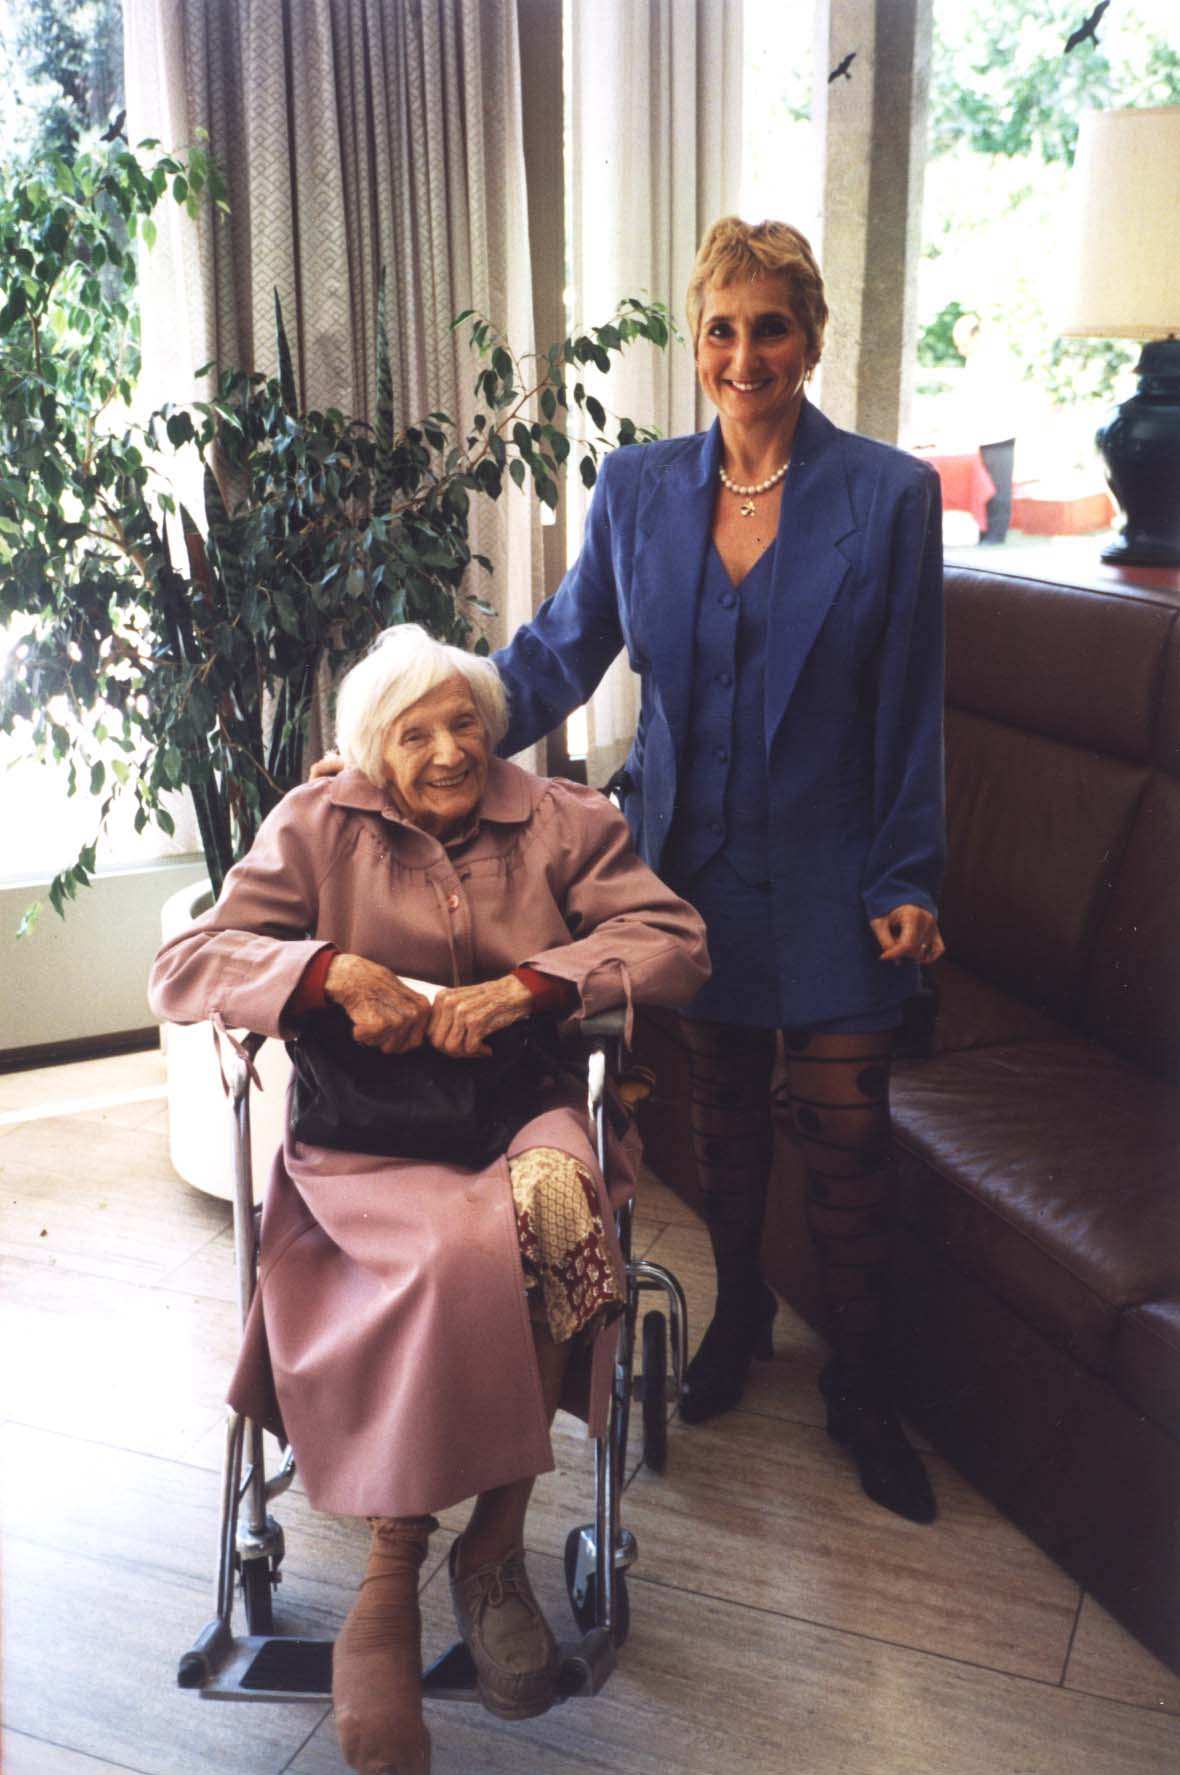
(777, 585)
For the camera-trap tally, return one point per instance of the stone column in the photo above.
(542, 96)
(873, 123)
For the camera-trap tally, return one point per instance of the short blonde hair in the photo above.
(733, 249)
(403, 665)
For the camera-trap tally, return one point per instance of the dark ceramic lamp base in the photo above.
(1140, 446)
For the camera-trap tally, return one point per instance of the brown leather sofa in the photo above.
(1039, 1147)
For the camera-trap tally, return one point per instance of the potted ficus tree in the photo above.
(162, 650)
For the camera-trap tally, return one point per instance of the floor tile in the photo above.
(91, 1650)
(658, 1202)
(772, 1514)
(100, 1200)
(1105, 1660)
(709, 1688)
(21, 1755)
(109, 1076)
(210, 1270)
(785, 1387)
(129, 1109)
(137, 1367)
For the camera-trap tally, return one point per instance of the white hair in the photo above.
(403, 665)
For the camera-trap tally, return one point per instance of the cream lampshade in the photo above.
(1124, 283)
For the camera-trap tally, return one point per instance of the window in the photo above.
(993, 372)
(61, 74)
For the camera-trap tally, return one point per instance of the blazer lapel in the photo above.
(672, 535)
(809, 566)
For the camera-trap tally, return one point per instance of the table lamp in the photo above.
(1125, 191)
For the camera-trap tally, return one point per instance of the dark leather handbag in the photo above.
(419, 1105)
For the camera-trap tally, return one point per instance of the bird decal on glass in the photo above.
(1087, 30)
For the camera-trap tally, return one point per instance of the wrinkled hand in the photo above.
(330, 765)
(462, 1017)
(908, 933)
(384, 1012)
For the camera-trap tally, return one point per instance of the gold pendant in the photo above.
(747, 510)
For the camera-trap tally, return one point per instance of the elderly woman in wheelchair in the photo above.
(418, 1322)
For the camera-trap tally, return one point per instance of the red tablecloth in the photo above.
(966, 484)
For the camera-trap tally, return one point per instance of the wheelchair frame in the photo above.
(261, 1665)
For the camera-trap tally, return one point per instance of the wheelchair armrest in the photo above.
(606, 1026)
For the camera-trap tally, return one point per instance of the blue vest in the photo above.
(722, 800)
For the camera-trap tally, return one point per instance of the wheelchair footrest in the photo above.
(285, 1668)
(264, 1667)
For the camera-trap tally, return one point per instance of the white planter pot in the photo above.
(200, 1121)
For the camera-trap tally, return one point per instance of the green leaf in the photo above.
(517, 470)
(588, 471)
(384, 487)
(596, 411)
(286, 369)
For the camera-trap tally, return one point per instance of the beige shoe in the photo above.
(500, 1620)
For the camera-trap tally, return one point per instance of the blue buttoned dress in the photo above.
(718, 853)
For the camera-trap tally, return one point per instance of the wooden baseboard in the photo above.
(91, 1047)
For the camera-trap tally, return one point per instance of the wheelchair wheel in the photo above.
(583, 1605)
(655, 1392)
(258, 1596)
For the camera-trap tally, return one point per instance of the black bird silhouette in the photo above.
(116, 129)
(1089, 29)
(843, 67)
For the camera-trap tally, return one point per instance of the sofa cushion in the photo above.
(1133, 990)
(1033, 826)
(1076, 665)
(974, 1014)
(1167, 727)
(1049, 1170)
(1147, 1360)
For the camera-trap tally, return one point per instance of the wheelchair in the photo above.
(261, 1664)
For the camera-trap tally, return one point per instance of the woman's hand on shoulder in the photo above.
(384, 1012)
(462, 1017)
(330, 765)
(908, 933)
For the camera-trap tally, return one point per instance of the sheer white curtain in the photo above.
(355, 134)
(655, 146)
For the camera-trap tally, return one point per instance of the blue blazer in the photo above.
(854, 683)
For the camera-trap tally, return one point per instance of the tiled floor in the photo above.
(779, 1621)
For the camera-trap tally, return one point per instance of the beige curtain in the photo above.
(355, 134)
(655, 142)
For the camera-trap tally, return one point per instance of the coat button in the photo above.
(452, 902)
(727, 600)
(725, 678)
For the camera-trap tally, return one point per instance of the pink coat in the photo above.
(390, 1335)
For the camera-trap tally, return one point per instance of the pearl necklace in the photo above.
(749, 494)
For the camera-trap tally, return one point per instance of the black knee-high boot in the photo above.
(839, 1089)
(731, 1135)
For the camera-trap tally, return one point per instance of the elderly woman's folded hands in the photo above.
(387, 1014)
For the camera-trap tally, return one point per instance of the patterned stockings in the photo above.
(838, 1092)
